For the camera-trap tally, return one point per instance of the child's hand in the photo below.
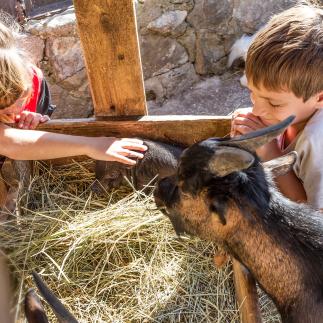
(30, 120)
(244, 121)
(123, 150)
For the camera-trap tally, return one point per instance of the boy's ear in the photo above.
(320, 100)
(281, 165)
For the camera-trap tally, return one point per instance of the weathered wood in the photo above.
(177, 129)
(3, 193)
(6, 295)
(109, 39)
(246, 293)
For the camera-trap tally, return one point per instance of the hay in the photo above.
(113, 258)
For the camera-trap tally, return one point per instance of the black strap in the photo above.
(44, 105)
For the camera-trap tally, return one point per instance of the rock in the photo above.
(160, 55)
(252, 14)
(151, 10)
(33, 46)
(69, 106)
(171, 23)
(188, 40)
(154, 90)
(210, 53)
(178, 79)
(60, 25)
(209, 14)
(76, 81)
(171, 83)
(65, 56)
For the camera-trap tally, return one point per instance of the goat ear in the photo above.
(281, 165)
(253, 140)
(227, 160)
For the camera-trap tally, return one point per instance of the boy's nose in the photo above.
(258, 108)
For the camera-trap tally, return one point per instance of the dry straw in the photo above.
(113, 258)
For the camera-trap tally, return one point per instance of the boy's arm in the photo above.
(36, 145)
(289, 184)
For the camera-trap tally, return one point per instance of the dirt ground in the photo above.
(218, 95)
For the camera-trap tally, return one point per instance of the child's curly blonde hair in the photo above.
(15, 73)
(287, 54)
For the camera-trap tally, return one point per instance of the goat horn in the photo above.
(253, 140)
(62, 314)
(34, 310)
(227, 160)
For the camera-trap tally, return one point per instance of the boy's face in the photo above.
(273, 107)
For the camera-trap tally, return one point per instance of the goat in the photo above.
(239, 50)
(222, 193)
(34, 310)
(160, 161)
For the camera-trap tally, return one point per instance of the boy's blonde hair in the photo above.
(15, 74)
(287, 54)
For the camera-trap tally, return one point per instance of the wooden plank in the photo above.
(246, 293)
(108, 33)
(185, 130)
(6, 295)
(3, 196)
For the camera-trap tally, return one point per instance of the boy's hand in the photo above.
(243, 122)
(30, 120)
(123, 150)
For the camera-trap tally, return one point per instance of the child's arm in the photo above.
(288, 184)
(36, 145)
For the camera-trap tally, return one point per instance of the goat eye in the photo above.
(213, 208)
(172, 197)
(219, 209)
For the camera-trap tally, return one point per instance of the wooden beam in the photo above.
(108, 33)
(6, 295)
(178, 129)
(246, 293)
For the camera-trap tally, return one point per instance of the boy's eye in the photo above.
(274, 105)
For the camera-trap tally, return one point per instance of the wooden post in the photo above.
(6, 296)
(246, 293)
(108, 33)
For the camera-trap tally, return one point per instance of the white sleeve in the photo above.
(309, 167)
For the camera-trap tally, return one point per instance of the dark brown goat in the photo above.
(34, 310)
(224, 194)
(159, 161)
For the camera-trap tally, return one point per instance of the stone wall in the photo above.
(182, 42)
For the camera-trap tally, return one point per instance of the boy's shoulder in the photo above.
(311, 136)
(313, 129)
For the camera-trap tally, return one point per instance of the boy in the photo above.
(284, 68)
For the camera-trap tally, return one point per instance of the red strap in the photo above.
(37, 79)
